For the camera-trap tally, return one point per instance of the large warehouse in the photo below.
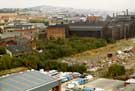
(29, 81)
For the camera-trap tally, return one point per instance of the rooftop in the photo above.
(85, 28)
(9, 34)
(26, 81)
(58, 25)
(19, 49)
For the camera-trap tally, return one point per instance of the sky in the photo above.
(86, 4)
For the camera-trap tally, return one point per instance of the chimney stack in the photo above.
(113, 15)
(127, 11)
(116, 14)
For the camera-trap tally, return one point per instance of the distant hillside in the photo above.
(7, 10)
(55, 9)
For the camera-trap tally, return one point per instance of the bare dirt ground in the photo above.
(101, 52)
(97, 57)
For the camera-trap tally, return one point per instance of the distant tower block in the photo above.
(127, 11)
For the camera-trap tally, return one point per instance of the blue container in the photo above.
(68, 77)
(88, 89)
(81, 81)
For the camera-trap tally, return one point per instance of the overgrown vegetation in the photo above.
(7, 62)
(115, 70)
(52, 50)
(2, 50)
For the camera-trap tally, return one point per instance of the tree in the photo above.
(5, 62)
(110, 40)
(2, 50)
(31, 61)
(116, 70)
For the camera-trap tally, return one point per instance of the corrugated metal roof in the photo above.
(25, 81)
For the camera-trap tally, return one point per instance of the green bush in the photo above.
(116, 70)
(7, 62)
(2, 50)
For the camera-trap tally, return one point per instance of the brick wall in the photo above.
(56, 32)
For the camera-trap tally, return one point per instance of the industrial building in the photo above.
(57, 31)
(29, 81)
(86, 30)
(116, 28)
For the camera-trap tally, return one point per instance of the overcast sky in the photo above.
(94, 4)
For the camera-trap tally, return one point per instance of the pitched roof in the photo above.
(19, 49)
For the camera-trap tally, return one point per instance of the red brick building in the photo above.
(57, 31)
(94, 19)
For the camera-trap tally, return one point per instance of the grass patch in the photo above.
(14, 70)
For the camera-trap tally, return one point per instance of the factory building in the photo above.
(85, 30)
(116, 28)
(57, 32)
